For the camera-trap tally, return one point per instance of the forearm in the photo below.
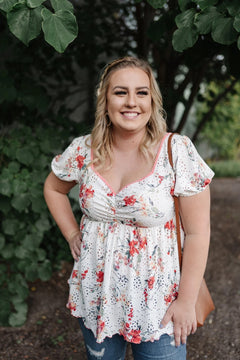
(193, 266)
(60, 208)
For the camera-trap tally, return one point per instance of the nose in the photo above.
(131, 100)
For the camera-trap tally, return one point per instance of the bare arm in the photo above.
(55, 193)
(195, 215)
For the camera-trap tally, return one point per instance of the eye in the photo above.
(120, 92)
(142, 93)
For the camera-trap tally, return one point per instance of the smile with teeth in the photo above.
(130, 115)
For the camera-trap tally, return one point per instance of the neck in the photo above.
(127, 141)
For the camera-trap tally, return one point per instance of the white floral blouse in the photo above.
(128, 271)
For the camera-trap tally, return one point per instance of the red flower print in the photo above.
(206, 182)
(85, 193)
(169, 225)
(136, 338)
(71, 306)
(133, 249)
(83, 275)
(129, 200)
(74, 274)
(100, 325)
(151, 281)
(80, 161)
(110, 194)
(173, 294)
(100, 276)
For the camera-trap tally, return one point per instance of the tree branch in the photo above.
(208, 115)
(194, 91)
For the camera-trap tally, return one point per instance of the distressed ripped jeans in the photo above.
(115, 348)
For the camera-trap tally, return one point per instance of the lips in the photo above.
(130, 115)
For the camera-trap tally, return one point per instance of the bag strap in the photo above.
(176, 204)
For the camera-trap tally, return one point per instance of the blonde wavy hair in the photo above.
(101, 136)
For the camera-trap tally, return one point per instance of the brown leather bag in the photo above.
(204, 304)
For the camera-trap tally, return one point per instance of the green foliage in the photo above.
(202, 17)
(226, 168)
(30, 242)
(27, 18)
(223, 131)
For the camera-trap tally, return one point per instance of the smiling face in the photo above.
(129, 102)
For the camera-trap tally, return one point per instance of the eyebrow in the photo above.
(125, 87)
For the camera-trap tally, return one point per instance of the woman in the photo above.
(125, 285)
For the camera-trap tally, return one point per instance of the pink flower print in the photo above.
(129, 200)
(100, 276)
(80, 161)
(160, 179)
(151, 282)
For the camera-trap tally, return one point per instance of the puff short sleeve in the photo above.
(192, 174)
(68, 165)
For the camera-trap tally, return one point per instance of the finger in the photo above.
(167, 317)
(184, 338)
(194, 327)
(177, 336)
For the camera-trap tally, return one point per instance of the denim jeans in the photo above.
(114, 348)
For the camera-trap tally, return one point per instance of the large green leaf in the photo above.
(62, 5)
(183, 4)
(24, 156)
(20, 202)
(184, 38)
(6, 5)
(236, 23)
(31, 272)
(157, 4)
(204, 19)
(203, 4)
(25, 23)
(8, 251)
(45, 270)
(5, 186)
(185, 19)
(43, 224)
(233, 7)
(60, 29)
(34, 3)
(10, 226)
(223, 31)
(18, 318)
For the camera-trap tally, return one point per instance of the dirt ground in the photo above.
(50, 333)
